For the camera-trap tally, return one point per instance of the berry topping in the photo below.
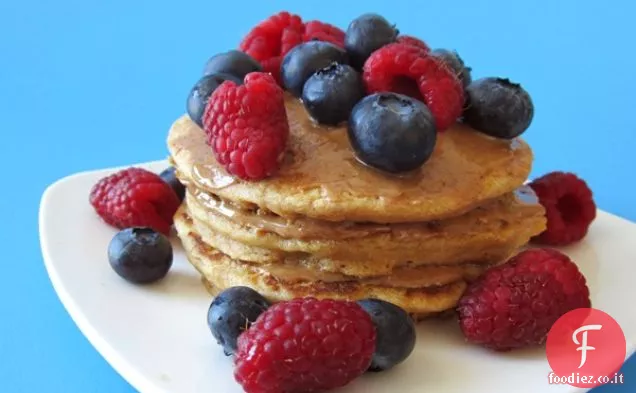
(409, 40)
(330, 93)
(135, 197)
(201, 92)
(569, 208)
(140, 255)
(169, 175)
(305, 59)
(395, 333)
(271, 39)
(410, 70)
(232, 312)
(366, 34)
(498, 107)
(247, 126)
(452, 60)
(305, 345)
(234, 62)
(316, 30)
(514, 305)
(392, 132)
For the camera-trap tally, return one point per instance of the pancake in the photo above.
(294, 266)
(486, 235)
(328, 226)
(321, 179)
(418, 317)
(221, 272)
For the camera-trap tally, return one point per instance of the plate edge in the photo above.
(127, 371)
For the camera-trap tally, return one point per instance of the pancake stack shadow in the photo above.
(328, 227)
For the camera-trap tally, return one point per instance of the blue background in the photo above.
(90, 84)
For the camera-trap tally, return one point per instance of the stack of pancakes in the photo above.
(327, 226)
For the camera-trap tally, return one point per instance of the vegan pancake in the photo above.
(320, 177)
(221, 272)
(486, 235)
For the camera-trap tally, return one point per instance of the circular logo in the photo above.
(585, 348)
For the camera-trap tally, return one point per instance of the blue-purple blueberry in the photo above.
(395, 333)
(232, 312)
(305, 59)
(169, 175)
(140, 255)
(331, 93)
(498, 107)
(233, 62)
(392, 132)
(366, 34)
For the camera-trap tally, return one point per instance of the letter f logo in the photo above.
(583, 344)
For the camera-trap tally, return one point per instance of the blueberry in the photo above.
(331, 92)
(395, 333)
(451, 58)
(498, 107)
(169, 176)
(305, 59)
(392, 132)
(140, 255)
(234, 62)
(232, 312)
(201, 92)
(365, 35)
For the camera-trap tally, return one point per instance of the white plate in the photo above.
(157, 337)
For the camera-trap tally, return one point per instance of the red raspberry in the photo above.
(305, 345)
(409, 70)
(316, 30)
(247, 126)
(514, 305)
(410, 40)
(135, 197)
(569, 208)
(271, 39)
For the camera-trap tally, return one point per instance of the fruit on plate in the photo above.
(395, 333)
(140, 255)
(305, 345)
(135, 197)
(232, 312)
(515, 305)
(569, 205)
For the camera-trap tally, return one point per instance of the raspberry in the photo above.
(410, 70)
(271, 39)
(247, 126)
(514, 305)
(305, 345)
(569, 208)
(135, 197)
(409, 40)
(316, 30)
